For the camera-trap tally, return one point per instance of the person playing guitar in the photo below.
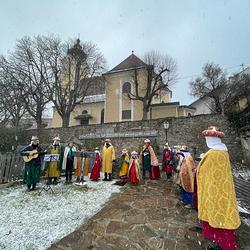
(32, 155)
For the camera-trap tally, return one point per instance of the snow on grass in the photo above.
(29, 221)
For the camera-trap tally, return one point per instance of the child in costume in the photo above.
(123, 163)
(95, 173)
(134, 169)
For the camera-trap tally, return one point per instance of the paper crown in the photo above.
(107, 140)
(134, 153)
(147, 141)
(213, 131)
(56, 138)
(124, 151)
(184, 147)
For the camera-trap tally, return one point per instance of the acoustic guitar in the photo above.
(32, 155)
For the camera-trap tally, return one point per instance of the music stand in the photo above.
(49, 158)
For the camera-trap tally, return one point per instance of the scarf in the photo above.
(215, 143)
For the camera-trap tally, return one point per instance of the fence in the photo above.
(11, 167)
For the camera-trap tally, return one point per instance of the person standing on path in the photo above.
(123, 164)
(108, 157)
(187, 172)
(167, 161)
(95, 172)
(134, 173)
(82, 166)
(149, 161)
(217, 205)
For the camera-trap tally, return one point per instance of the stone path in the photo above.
(148, 216)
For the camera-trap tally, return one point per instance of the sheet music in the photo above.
(51, 157)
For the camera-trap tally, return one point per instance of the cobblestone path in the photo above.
(148, 216)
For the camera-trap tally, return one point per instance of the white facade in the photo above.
(202, 106)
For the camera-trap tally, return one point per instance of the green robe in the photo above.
(146, 160)
(32, 169)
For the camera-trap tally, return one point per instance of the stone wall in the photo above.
(245, 142)
(130, 135)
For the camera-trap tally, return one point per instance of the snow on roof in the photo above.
(94, 98)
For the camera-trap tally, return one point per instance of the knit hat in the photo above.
(34, 138)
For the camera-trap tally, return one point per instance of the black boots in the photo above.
(110, 177)
(105, 177)
(31, 187)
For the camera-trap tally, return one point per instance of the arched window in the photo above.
(126, 88)
(84, 112)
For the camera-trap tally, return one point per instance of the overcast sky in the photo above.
(191, 31)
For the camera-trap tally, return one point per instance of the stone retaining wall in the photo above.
(130, 135)
(245, 142)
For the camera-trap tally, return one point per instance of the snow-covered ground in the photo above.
(29, 221)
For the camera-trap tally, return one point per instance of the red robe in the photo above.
(133, 173)
(225, 238)
(156, 174)
(95, 173)
(167, 156)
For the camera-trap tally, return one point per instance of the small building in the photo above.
(204, 105)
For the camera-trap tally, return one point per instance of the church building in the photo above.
(110, 102)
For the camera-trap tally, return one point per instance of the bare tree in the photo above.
(4, 114)
(27, 67)
(73, 68)
(212, 84)
(11, 100)
(46, 69)
(160, 73)
(239, 97)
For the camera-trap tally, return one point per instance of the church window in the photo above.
(126, 88)
(126, 114)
